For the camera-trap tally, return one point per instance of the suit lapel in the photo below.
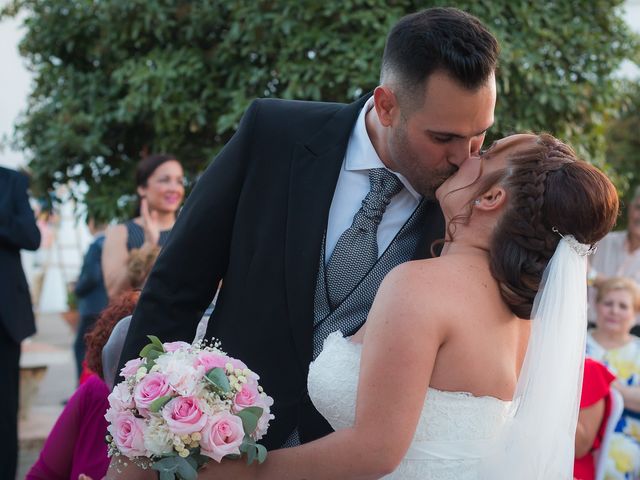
(314, 172)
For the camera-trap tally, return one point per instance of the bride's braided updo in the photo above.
(547, 186)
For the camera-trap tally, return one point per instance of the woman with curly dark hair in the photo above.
(76, 443)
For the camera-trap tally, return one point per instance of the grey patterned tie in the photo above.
(357, 248)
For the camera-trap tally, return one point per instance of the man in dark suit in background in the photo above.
(18, 230)
(291, 189)
(90, 291)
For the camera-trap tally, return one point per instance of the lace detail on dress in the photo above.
(455, 430)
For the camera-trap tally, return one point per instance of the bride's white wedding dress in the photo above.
(455, 432)
(463, 437)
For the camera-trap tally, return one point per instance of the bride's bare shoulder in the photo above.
(438, 273)
(435, 284)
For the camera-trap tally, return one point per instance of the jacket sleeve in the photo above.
(194, 260)
(18, 227)
(91, 271)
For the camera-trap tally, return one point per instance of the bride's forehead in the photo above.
(515, 141)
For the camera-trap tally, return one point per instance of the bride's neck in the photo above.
(466, 242)
(465, 248)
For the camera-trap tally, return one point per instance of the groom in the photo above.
(310, 204)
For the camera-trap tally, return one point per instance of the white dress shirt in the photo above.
(353, 185)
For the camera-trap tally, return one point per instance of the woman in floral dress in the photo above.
(611, 342)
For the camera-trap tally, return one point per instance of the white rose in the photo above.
(158, 440)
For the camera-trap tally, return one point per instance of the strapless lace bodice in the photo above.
(455, 429)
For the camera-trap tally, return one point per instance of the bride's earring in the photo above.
(476, 201)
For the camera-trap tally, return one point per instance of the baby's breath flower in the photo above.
(142, 371)
(196, 436)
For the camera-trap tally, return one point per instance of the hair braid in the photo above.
(546, 188)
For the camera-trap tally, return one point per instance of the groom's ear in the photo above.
(386, 104)
(493, 199)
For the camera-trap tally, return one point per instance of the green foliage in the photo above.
(72, 300)
(250, 417)
(218, 380)
(115, 79)
(151, 351)
(623, 149)
(160, 402)
(175, 467)
(253, 450)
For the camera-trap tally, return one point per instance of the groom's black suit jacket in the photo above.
(256, 220)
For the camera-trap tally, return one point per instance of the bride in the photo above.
(458, 372)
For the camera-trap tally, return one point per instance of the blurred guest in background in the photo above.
(18, 230)
(160, 188)
(139, 266)
(89, 290)
(617, 301)
(618, 253)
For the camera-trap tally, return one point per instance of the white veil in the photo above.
(539, 438)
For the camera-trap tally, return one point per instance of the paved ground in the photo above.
(51, 346)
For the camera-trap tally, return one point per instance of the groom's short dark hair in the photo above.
(438, 39)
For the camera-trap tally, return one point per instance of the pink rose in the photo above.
(173, 346)
(131, 367)
(236, 363)
(184, 415)
(128, 434)
(246, 397)
(211, 360)
(264, 401)
(222, 435)
(151, 387)
(120, 398)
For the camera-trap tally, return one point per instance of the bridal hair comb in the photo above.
(580, 248)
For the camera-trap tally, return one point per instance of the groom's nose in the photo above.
(461, 153)
(464, 150)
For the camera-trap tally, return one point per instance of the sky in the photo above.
(15, 83)
(15, 86)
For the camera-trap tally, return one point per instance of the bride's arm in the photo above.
(405, 328)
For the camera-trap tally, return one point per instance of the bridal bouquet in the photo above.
(181, 405)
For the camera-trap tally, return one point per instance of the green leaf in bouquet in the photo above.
(148, 348)
(152, 356)
(251, 454)
(174, 467)
(253, 450)
(262, 453)
(196, 459)
(250, 417)
(156, 341)
(218, 379)
(155, 346)
(158, 403)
